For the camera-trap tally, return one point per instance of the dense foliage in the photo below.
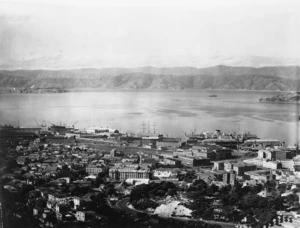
(233, 204)
(143, 196)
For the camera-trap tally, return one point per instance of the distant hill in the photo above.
(220, 77)
(282, 98)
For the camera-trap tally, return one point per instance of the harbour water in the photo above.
(172, 113)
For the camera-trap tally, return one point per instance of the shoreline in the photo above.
(84, 90)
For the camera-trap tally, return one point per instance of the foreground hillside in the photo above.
(219, 77)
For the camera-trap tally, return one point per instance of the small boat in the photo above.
(213, 95)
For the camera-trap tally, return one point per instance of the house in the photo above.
(36, 211)
(59, 198)
(61, 165)
(59, 216)
(106, 156)
(65, 179)
(76, 201)
(264, 193)
(50, 204)
(30, 178)
(50, 170)
(34, 157)
(157, 157)
(51, 197)
(84, 215)
(59, 208)
(250, 183)
(22, 160)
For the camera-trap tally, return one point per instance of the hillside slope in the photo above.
(219, 77)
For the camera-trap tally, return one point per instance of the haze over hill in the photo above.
(283, 78)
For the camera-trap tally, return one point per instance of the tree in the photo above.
(190, 176)
(213, 188)
(199, 186)
(282, 187)
(139, 192)
(225, 190)
(52, 218)
(100, 179)
(172, 192)
(291, 199)
(270, 185)
(11, 165)
(41, 203)
(110, 189)
(199, 205)
(256, 189)
(208, 214)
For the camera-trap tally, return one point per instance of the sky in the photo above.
(76, 34)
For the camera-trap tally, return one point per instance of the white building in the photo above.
(272, 164)
(165, 173)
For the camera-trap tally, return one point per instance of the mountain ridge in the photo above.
(281, 78)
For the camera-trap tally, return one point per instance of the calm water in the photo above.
(173, 113)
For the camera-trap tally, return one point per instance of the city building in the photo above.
(168, 143)
(192, 161)
(172, 161)
(234, 165)
(229, 178)
(288, 164)
(121, 174)
(260, 175)
(272, 164)
(240, 168)
(113, 153)
(149, 142)
(230, 143)
(165, 173)
(213, 152)
(276, 154)
(59, 198)
(262, 143)
(96, 169)
(218, 165)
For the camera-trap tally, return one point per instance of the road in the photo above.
(123, 205)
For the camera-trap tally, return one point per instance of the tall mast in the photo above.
(154, 129)
(297, 122)
(143, 127)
